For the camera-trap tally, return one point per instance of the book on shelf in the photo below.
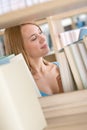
(83, 52)
(20, 108)
(78, 61)
(73, 67)
(6, 59)
(85, 41)
(65, 72)
(2, 51)
(69, 37)
(82, 33)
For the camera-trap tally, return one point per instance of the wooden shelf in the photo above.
(39, 11)
(71, 13)
(50, 57)
(65, 111)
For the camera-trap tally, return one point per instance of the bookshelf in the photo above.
(67, 111)
(39, 11)
(55, 25)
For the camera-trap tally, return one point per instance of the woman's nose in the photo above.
(42, 37)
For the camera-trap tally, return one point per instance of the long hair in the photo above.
(14, 43)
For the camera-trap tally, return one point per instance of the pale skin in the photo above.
(36, 47)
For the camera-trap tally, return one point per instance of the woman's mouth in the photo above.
(44, 46)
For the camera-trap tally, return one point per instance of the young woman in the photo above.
(29, 40)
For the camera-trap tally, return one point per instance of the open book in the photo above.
(19, 106)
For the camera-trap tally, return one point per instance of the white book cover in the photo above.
(20, 108)
(83, 52)
(20, 57)
(65, 72)
(6, 59)
(79, 63)
(73, 67)
(85, 41)
(69, 37)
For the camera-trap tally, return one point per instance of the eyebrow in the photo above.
(35, 33)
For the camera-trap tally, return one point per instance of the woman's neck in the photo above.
(37, 65)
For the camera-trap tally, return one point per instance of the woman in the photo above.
(29, 40)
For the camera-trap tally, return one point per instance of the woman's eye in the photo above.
(34, 38)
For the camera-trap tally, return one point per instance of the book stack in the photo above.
(19, 105)
(73, 60)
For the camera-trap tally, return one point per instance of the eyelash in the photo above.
(33, 39)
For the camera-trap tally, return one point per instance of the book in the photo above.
(65, 72)
(69, 37)
(9, 117)
(83, 52)
(79, 63)
(82, 33)
(10, 58)
(2, 51)
(85, 41)
(20, 57)
(6, 59)
(20, 108)
(73, 67)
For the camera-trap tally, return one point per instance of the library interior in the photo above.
(62, 103)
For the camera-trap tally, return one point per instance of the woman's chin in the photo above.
(47, 52)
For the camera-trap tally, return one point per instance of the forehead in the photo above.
(29, 29)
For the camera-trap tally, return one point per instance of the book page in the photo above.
(17, 80)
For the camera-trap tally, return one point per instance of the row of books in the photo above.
(71, 36)
(19, 104)
(10, 5)
(2, 51)
(73, 65)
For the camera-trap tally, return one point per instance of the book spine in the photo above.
(65, 72)
(83, 52)
(85, 41)
(73, 68)
(79, 63)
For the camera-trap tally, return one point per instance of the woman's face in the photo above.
(34, 41)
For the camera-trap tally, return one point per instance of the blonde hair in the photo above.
(14, 43)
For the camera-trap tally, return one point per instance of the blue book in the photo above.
(82, 33)
(6, 59)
